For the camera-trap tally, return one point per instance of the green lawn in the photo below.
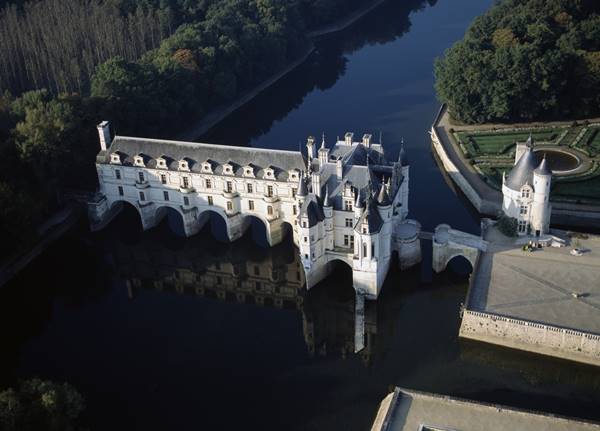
(586, 190)
(496, 143)
(590, 141)
(494, 174)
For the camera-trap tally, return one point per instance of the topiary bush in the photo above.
(507, 225)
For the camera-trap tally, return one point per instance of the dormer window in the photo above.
(525, 192)
(206, 167)
(269, 173)
(293, 176)
(227, 169)
(161, 163)
(248, 171)
(138, 161)
(115, 158)
(183, 165)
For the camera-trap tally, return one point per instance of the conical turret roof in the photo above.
(302, 189)
(383, 199)
(402, 157)
(522, 173)
(543, 168)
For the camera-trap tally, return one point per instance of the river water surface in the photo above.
(160, 332)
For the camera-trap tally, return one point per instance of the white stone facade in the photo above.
(526, 192)
(343, 204)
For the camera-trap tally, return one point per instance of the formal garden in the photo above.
(577, 145)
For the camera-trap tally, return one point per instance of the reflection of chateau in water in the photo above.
(247, 274)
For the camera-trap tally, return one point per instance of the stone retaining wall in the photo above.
(531, 336)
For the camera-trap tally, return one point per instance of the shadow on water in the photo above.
(319, 72)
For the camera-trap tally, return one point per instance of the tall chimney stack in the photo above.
(104, 133)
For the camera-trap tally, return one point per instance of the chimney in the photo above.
(104, 133)
(339, 169)
(367, 140)
(348, 138)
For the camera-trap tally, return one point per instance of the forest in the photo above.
(147, 65)
(525, 60)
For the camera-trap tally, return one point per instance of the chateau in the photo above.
(346, 203)
(526, 192)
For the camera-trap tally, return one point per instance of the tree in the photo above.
(39, 404)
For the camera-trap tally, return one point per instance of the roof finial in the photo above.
(326, 200)
(380, 138)
(323, 141)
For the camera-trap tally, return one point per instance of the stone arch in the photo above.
(469, 254)
(117, 207)
(449, 243)
(177, 224)
(461, 256)
(217, 221)
(259, 228)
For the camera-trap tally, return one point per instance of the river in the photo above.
(160, 332)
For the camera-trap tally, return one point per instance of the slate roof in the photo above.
(371, 216)
(543, 169)
(522, 173)
(312, 210)
(196, 153)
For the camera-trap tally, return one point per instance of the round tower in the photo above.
(540, 210)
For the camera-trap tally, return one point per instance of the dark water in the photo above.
(558, 160)
(160, 332)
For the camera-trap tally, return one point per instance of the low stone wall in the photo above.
(531, 336)
(454, 172)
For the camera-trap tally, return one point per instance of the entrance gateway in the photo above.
(343, 202)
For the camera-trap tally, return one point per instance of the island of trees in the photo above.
(147, 65)
(525, 60)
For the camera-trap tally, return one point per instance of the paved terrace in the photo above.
(415, 411)
(539, 286)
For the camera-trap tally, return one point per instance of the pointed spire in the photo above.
(380, 138)
(402, 157)
(530, 142)
(302, 190)
(358, 203)
(326, 199)
(323, 141)
(543, 168)
(383, 199)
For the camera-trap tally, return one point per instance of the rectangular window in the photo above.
(270, 210)
(118, 174)
(305, 239)
(229, 186)
(210, 200)
(348, 222)
(249, 188)
(120, 191)
(229, 206)
(523, 210)
(186, 200)
(166, 195)
(141, 177)
(303, 224)
(163, 178)
(346, 240)
(258, 285)
(270, 191)
(522, 226)
(372, 250)
(364, 249)
(294, 191)
(208, 184)
(348, 205)
(251, 205)
(186, 182)
(142, 196)
(352, 242)
(294, 209)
